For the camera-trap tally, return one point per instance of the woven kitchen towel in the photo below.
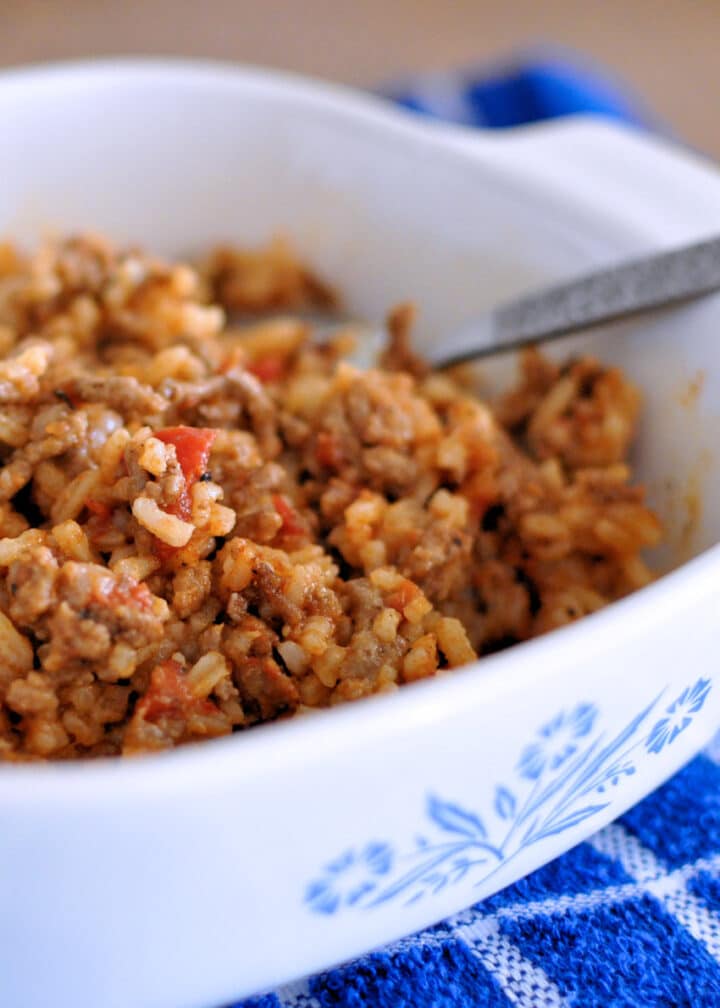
(544, 86)
(629, 919)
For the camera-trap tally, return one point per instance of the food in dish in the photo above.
(207, 520)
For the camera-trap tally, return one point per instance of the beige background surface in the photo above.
(669, 50)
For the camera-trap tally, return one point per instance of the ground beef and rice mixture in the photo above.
(208, 521)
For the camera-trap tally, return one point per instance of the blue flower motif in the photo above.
(349, 878)
(568, 760)
(679, 715)
(557, 741)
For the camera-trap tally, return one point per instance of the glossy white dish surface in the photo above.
(191, 879)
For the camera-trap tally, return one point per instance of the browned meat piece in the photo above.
(124, 394)
(260, 409)
(439, 562)
(54, 432)
(399, 354)
(391, 469)
(31, 586)
(272, 277)
(266, 691)
(127, 609)
(82, 610)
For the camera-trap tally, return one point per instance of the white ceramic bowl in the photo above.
(190, 879)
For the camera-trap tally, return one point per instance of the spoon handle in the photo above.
(605, 296)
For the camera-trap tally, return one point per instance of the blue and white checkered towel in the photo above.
(630, 919)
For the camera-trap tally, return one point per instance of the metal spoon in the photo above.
(607, 295)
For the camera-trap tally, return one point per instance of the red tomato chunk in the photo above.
(267, 369)
(292, 524)
(192, 447)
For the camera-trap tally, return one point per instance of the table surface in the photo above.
(665, 49)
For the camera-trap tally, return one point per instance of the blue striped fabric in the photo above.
(630, 919)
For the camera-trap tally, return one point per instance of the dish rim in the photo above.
(84, 781)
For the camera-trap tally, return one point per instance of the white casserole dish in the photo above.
(190, 879)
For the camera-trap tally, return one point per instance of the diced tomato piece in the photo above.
(402, 596)
(328, 451)
(192, 447)
(267, 369)
(168, 694)
(100, 508)
(137, 595)
(292, 524)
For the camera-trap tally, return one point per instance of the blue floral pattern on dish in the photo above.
(349, 878)
(678, 715)
(557, 741)
(562, 778)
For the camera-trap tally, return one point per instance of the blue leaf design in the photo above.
(460, 870)
(504, 802)
(560, 825)
(436, 881)
(531, 828)
(454, 819)
(461, 862)
(698, 695)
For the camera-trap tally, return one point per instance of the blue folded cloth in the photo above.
(544, 85)
(629, 919)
